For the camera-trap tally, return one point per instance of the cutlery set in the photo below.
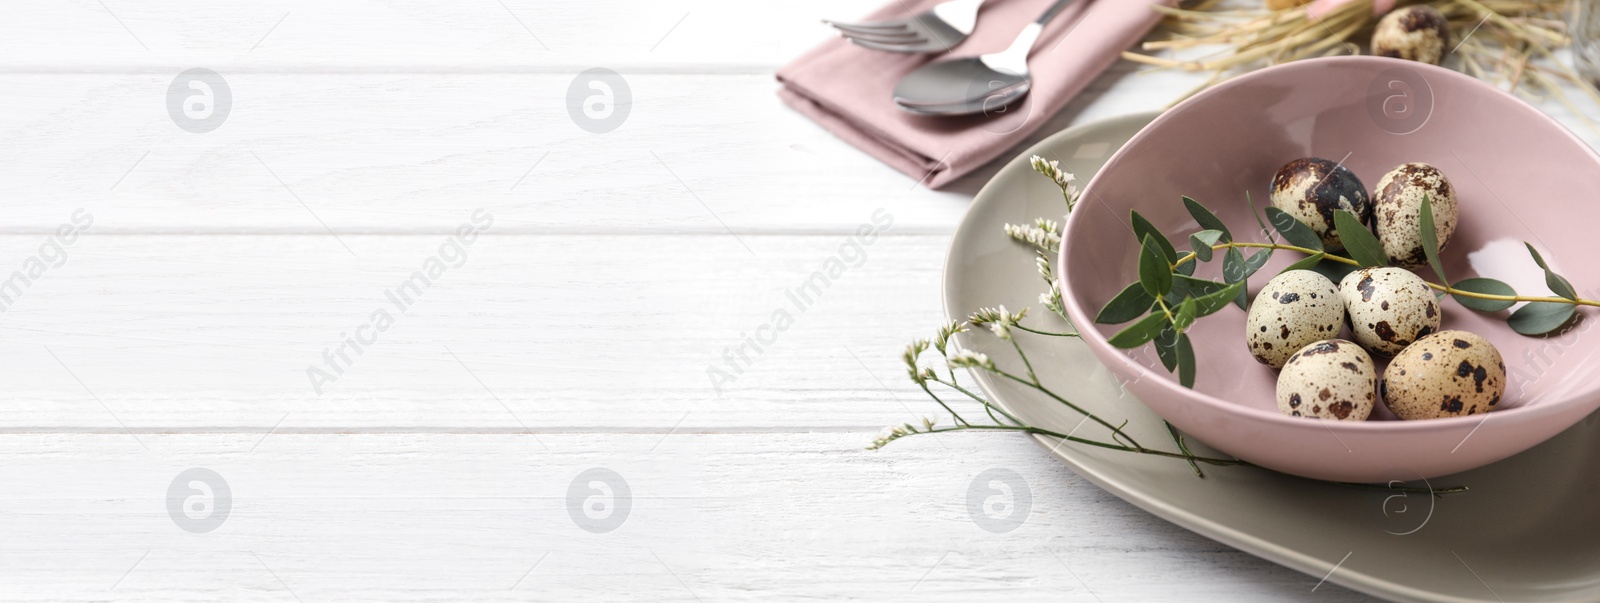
(984, 84)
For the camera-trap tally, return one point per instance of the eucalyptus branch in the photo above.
(1166, 299)
(1190, 256)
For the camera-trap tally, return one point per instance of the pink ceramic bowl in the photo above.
(1519, 177)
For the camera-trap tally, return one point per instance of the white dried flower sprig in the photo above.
(895, 432)
(915, 349)
(942, 340)
(1005, 421)
(1044, 234)
(1051, 168)
(998, 320)
(1051, 299)
(964, 359)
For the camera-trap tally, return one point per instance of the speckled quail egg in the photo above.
(1388, 308)
(1446, 374)
(1397, 210)
(1330, 379)
(1293, 309)
(1418, 33)
(1311, 189)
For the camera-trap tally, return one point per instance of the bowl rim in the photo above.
(1168, 385)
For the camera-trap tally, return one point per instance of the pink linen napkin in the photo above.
(848, 89)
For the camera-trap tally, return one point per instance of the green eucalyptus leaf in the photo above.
(1139, 333)
(1131, 303)
(1142, 228)
(1484, 285)
(1537, 259)
(1560, 286)
(1256, 261)
(1233, 268)
(1557, 283)
(1360, 242)
(1202, 241)
(1539, 318)
(1185, 361)
(1293, 231)
(1208, 304)
(1206, 219)
(1187, 311)
(1430, 239)
(1154, 270)
(1257, 215)
(1235, 271)
(1166, 344)
(1306, 263)
(1186, 268)
(1194, 287)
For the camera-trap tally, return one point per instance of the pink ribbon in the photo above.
(1318, 8)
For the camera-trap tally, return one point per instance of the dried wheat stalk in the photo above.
(1510, 43)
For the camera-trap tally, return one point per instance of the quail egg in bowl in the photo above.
(1514, 175)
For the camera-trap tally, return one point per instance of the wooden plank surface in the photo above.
(708, 517)
(569, 332)
(576, 332)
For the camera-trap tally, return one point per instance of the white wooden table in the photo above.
(438, 462)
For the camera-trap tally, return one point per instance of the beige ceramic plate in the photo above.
(1527, 530)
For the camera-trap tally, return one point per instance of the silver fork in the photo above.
(938, 29)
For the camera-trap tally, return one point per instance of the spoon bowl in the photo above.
(972, 85)
(987, 92)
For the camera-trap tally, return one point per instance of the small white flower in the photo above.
(912, 353)
(971, 360)
(1045, 269)
(883, 438)
(895, 432)
(945, 333)
(1047, 238)
(1001, 330)
(1064, 179)
(1052, 169)
(985, 316)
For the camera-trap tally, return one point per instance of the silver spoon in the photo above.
(994, 104)
(975, 84)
